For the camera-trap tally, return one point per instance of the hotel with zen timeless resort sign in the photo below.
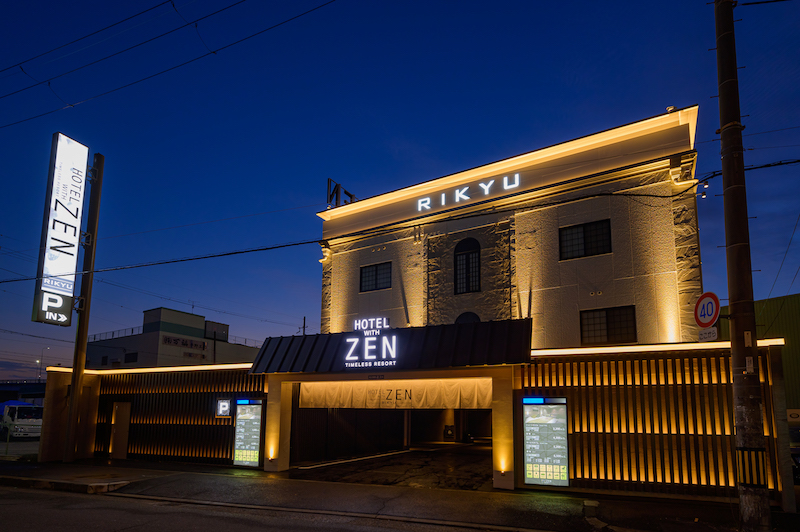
(61, 232)
(542, 304)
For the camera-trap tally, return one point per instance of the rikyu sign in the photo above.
(474, 191)
(61, 232)
(372, 349)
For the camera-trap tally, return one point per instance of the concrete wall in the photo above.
(403, 303)
(145, 345)
(654, 265)
(641, 270)
(56, 410)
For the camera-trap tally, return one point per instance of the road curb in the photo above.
(61, 485)
(384, 517)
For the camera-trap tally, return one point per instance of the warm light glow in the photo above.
(271, 454)
(592, 142)
(656, 348)
(164, 369)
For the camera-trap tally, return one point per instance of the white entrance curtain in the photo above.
(473, 392)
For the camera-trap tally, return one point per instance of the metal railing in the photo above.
(121, 333)
(249, 342)
(115, 334)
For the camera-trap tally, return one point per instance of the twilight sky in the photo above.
(233, 150)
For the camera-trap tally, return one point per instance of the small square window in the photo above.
(131, 358)
(608, 326)
(376, 277)
(585, 240)
(104, 361)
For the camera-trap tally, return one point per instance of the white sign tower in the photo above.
(61, 232)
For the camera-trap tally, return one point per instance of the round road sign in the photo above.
(706, 311)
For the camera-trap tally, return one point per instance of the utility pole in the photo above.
(81, 335)
(754, 512)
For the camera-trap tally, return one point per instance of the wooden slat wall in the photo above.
(172, 414)
(650, 422)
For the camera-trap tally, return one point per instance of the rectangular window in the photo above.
(608, 326)
(104, 361)
(131, 358)
(585, 240)
(376, 277)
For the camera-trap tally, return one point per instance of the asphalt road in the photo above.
(33, 510)
(16, 448)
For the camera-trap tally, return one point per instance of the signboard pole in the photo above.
(81, 335)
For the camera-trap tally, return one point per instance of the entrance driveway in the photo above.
(443, 466)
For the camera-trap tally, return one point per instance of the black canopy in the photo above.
(440, 346)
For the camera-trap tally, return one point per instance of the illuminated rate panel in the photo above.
(545, 439)
(248, 433)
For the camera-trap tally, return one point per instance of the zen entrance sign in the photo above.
(706, 311)
(61, 232)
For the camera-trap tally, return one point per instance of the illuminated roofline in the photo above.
(656, 348)
(591, 142)
(163, 369)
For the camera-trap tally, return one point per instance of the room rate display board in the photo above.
(248, 434)
(545, 438)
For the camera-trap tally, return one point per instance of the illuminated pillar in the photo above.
(503, 431)
(278, 430)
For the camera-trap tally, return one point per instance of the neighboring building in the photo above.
(29, 391)
(779, 317)
(169, 338)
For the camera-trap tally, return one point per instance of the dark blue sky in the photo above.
(377, 95)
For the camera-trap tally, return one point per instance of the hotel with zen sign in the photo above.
(543, 303)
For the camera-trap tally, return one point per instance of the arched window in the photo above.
(467, 266)
(468, 317)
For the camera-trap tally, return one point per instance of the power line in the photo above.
(212, 221)
(194, 303)
(84, 37)
(752, 134)
(388, 227)
(175, 261)
(19, 254)
(6, 331)
(48, 80)
(175, 67)
(784, 256)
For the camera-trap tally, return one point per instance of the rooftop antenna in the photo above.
(334, 196)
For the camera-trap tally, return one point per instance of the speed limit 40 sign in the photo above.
(706, 311)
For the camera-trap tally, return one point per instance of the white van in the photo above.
(21, 421)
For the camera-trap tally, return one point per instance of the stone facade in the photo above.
(653, 265)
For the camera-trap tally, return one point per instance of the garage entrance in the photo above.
(346, 419)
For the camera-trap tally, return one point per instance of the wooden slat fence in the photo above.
(172, 413)
(651, 422)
